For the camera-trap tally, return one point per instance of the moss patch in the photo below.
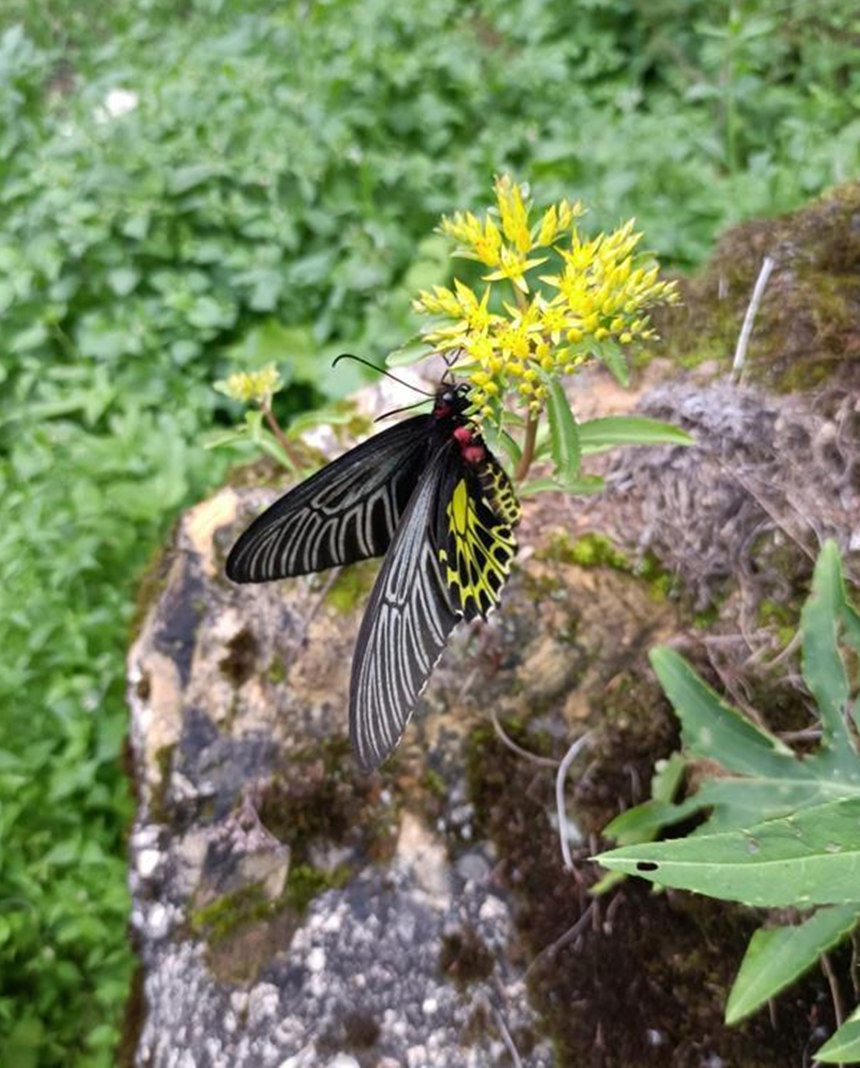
(597, 550)
(304, 883)
(805, 331)
(158, 809)
(465, 958)
(352, 585)
(241, 660)
(276, 672)
(221, 917)
(319, 799)
(781, 617)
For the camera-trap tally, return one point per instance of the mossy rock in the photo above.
(805, 333)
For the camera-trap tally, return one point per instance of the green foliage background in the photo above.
(272, 195)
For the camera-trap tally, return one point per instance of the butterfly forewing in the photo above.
(346, 512)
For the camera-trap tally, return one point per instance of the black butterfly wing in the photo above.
(347, 511)
(407, 621)
(476, 539)
(449, 559)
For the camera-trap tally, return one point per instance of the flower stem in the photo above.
(528, 446)
(275, 427)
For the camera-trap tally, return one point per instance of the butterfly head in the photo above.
(451, 401)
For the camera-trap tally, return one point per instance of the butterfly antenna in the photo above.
(450, 359)
(397, 411)
(381, 370)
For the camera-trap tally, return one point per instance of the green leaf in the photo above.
(415, 349)
(823, 668)
(598, 435)
(564, 434)
(844, 1046)
(851, 622)
(292, 348)
(809, 858)
(611, 353)
(712, 728)
(538, 485)
(319, 417)
(184, 179)
(122, 280)
(585, 484)
(501, 441)
(777, 956)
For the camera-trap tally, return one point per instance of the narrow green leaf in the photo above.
(564, 433)
(809, 858)
(779, 955)
(318, 417)
(641, 823)
(597, 435)
(501, 440)
(611, 353)
(712, 728)
(823, 669)
(844, 1046)
(415, 349)
(538, 485)
(667, 777)
(851, 622)
(585, 484)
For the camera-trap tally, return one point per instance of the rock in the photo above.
(806, 330)
(292, 911)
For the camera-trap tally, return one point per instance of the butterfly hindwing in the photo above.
(448, 560)
(476, 539)
(347, 511)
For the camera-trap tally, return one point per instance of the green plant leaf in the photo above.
(823, 668)
(538, 485)
(413, 350)
(598, 435)
(712, 728)
(809, 858)
(585, 484)
(776, 956)
(769, 781)
(501, 441)
(564, 434)
(844, 1046)
(611, 353)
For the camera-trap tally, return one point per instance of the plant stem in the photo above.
(528, 446)
(275, 427)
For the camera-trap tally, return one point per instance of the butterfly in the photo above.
(428, 494)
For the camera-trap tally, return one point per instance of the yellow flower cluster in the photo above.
(599, 295)
(252, 387)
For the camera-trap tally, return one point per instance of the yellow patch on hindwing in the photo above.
(458, 508)
(480, 545)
